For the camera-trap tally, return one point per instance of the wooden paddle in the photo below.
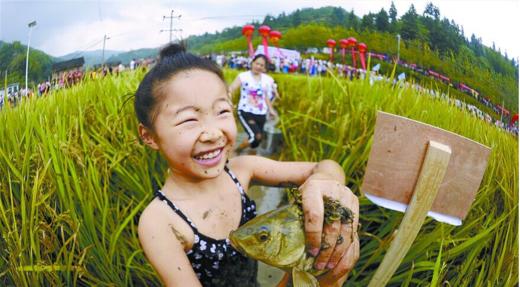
(420, 170)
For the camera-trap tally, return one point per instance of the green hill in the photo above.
(92, 58)
(126, 57)
(427, 40)
(13, 57)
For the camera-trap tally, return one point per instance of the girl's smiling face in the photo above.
(194, 126)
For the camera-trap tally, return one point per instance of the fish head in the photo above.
(275, 238)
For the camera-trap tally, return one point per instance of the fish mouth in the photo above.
(234, 242)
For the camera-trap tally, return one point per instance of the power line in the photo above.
(225, 17)
(82, 50)
(99, 12)
(105, 38)
(88, 46)
(171, 17)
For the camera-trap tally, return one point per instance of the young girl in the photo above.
(184, 112)
(256, 89)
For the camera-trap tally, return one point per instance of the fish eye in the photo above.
(263, 236)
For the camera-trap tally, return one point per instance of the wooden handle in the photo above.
(430, 178)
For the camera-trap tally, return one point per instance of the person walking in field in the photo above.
(256, 88)
(185, 114)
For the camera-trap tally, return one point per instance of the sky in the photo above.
(66, 26)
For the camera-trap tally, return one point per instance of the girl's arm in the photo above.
(275, 91)
(162, 245)
(234, 86)
(270, 106)
(339, 249)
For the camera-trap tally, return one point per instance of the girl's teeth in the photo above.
(209, 155)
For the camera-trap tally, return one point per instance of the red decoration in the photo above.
(362, 48)
(331, 44)
(247, 31)
(514, 119)
(275, 36)
(264, 32)
(351, 42)
(343, 43)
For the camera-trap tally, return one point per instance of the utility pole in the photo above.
(398, 46)
(5, 85)
(5, 100)
(30, 25)
(105, 38)
(171, 17)
(502, 111)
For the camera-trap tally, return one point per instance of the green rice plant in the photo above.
(338, 118)
(74, 186)
(75, 178)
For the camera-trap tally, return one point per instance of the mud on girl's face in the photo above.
(194, 126)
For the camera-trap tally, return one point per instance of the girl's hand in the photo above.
(336, 245)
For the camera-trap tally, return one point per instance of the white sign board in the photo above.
(280, 53)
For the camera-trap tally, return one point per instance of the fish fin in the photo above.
(303, 279)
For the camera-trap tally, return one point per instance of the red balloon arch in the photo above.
(274, 37)
(248, 31)
(343, 43)
(352, 43)
(264, 32)
(362, 48)
(331, 44)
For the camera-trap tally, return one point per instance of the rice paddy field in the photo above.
(74, 178)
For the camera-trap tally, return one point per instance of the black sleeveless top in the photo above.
(216, 262)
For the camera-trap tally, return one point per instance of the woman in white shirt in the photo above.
(256, 89)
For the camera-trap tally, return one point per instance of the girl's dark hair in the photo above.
(260, 56)
(173, 59)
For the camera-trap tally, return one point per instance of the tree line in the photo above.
(12, 63)
(428, 40)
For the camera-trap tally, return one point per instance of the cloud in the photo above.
(65, 26)
(130, 27)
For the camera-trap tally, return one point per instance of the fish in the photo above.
(277, 238)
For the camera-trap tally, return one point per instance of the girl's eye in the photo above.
(224, 111)
(187, 121)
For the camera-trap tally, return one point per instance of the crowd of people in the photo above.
(69, 78)
(317, 67)
(308, 66)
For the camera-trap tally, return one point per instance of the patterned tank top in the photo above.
(216, 262)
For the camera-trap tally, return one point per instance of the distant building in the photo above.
(68, 65)
(11, 89)
(65, 66)
(312, 51)
(280, 53)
